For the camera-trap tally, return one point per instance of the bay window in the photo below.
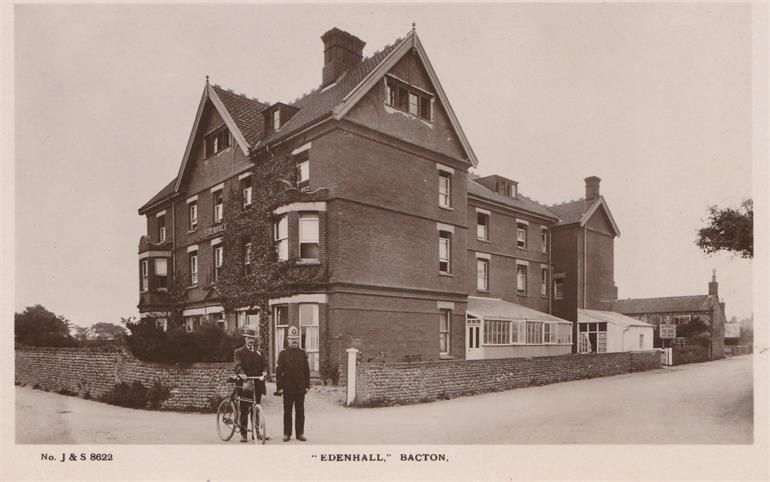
(161, 273)
(144, 274)
(308, 325)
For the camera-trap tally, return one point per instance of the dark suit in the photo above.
(292, 375)
(252, 364)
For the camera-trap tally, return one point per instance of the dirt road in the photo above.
(707, 403)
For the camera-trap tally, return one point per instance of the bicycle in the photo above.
(229, 416)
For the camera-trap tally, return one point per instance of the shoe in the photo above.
(244, 438)
(301, 438)
(286, 438)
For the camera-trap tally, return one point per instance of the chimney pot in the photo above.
(592, 188)
(342, 51)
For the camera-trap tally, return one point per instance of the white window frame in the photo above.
(309, 234)
(281, 237)
(444, 189)
(303, 171)
(445, 332)
(482, 229)
(219, 255)
(521, 291)
(544, 240)
(521, 235)
(496, 332)
(309, 331)
(247, 256)
(219, 207)
(445, 244)
(192, 213)
(544, 282)
(534, 333)
(161, 228)
(161, 262)
(276, 118)
(247, 190)
(549, 333)
(482, 274)
(144, 268)
(558, 288)
(193, 261)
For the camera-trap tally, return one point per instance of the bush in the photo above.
(125, 395)
(689, 354)
(158, 394)
(207, 344)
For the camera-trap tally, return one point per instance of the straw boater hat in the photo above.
(293, 333)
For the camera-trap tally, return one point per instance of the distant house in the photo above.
(610, 332)
(680, 310)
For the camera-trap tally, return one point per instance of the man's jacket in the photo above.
(292, 374)
(252, 364)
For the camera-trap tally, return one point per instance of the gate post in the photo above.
(351, 393)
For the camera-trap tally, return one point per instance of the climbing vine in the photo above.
(251, 276)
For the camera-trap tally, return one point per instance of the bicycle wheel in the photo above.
(258, 424)
(226, 419)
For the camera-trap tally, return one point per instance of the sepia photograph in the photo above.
(385, 240)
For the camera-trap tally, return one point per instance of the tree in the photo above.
(37, 326)
(107, 331)
(729, 230)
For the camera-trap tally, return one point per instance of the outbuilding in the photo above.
(609, 332)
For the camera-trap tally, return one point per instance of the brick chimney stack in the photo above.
(592, 188)
(342, 51)
(714, 286)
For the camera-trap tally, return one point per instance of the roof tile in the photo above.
(667, 304)
(521, 202)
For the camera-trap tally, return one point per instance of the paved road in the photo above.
(706, 403)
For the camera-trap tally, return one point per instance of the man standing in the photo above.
(249, 362)
(292, 378)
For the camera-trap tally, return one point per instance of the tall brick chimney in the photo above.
(341, 52)
(592, 188)
(714, 286)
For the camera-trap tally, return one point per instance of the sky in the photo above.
(655, 99)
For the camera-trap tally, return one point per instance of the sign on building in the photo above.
(667, 331)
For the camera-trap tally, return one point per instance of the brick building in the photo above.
(583, 255)
(426, 261)
(680, 310)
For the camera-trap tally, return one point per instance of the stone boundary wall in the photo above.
(92, 373)
(385, 384)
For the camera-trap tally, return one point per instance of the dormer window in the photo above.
(408, 98)
(511, 190)
(217, 141)
(276, 119)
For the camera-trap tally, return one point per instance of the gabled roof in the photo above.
(521, 202)
(244, 116)
(320, 103)
(162, 195)
(580, 211)
(668, 304)
(246, 112)
(497, 309)
(592, 316)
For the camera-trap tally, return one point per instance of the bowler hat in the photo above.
(249, 331)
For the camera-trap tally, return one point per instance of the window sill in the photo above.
(519, 248)
(448, 275)
(445, 356)
(192, 286)
(482, 291)
(448, 208)
(309, 262)
(141, 292)
(190, 231)
(163, 289)
(521, 294)
(483, 240)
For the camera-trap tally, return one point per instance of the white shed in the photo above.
(608, 332)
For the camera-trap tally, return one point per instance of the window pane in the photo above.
(413, 104)
(308, 314)
(308, 228)
(161, 266)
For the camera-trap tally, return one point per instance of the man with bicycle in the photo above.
(249, 362)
